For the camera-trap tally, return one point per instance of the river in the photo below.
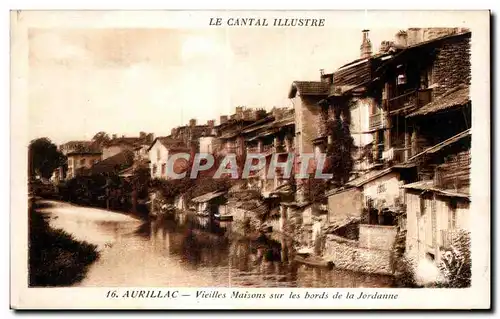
(177, 253)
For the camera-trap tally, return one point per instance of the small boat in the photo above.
(223, 218)
(315, 262)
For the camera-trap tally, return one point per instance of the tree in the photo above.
(339, 160)
(43, 157)
(101, 138)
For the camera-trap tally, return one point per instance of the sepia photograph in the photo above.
(249, 151)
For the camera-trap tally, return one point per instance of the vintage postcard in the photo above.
(250, 160)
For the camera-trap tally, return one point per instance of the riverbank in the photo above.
(55, 257)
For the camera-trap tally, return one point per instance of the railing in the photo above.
(253, 149)
(455, 173)
(411, 100)
(377, 121)
(395, 155)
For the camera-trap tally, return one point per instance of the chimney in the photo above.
(211, 123)
(192, 122)
(414, 36)
(384, 47)
(223, 119)
(239, 112)
(277, 113)
(247, 114)
(402, 39)
(366, 46)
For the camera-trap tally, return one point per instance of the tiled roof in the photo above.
(455, 97)
(439, 146)
(119, 161)
(314, 88)
(365, 178)
(207, 197)
(132, 141)
(80, 147)
(168, 142)
(415, 48)
(428, 186)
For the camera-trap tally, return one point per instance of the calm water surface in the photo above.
(188, 253)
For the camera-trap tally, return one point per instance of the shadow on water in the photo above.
(202, 243)
(189, 250)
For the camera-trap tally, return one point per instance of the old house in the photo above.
(272, 138)
(197, 137)
(229, 139)
(119, 144)
(160, 151)
(114, 164)
(436, 69)
(426, 112)
(81, 156)
(351, 99)
(305, 96)
(211, 204)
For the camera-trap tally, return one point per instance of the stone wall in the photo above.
(346, 203)
(377, 236)
(346, 254)
(452, 65)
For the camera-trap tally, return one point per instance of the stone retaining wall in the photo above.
(346, 254)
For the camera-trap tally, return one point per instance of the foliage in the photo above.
(315, 189)
(172, 187)
(401, 265)
(43, 157)
(140, 181)
(455, 264)
(339, 159)
(405, 275)
(101, 138)
(55, 257)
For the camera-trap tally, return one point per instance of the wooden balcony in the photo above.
(410, 101)
(253, 149)
(394, 155)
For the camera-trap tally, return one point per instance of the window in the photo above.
(82, 162)
(158, 155)
(163, 169)
(154, 169)
(452, 219)
(422, 206)
(70, 162)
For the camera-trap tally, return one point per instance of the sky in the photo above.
(123, 81)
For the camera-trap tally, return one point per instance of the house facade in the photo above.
(160, 151)
(81, 156)
(120, 144)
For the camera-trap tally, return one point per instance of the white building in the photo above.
(160, 151)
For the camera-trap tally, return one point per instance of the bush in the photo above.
(55, 257)
(455, 265)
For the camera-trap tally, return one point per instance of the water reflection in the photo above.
(187, 251)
